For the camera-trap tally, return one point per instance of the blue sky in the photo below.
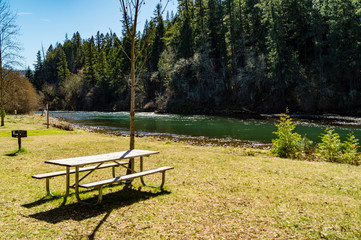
(48, 21)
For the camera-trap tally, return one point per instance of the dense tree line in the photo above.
(217, 55)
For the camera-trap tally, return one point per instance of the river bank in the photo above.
(255, 132)
(197, 141)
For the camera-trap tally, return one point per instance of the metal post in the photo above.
(19, 140)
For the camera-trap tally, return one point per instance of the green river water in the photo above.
(207, 127)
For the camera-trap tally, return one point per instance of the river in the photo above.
(208, 129)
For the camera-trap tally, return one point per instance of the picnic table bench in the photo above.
(100, 162)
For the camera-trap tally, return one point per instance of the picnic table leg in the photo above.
(67, 185)
(48, 192)
(77, 191)
(142, 180)
(77, 185)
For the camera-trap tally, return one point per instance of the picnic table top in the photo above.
(86, 160)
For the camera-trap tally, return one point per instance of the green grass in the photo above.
(213, 192)
(35, 125)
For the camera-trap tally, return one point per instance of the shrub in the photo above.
(330, 146)
(20, 94)
(287, 144)
(350, 154)
(306, 146)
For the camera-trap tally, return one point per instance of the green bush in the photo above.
(306, 146)
(330, 147)
(287, 144)
(350, 154)
(290, 145)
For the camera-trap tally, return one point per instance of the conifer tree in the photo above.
(69, 50)
(90, 55)
(51, 65)
(185, 10)
(101, 67)
(39, 79)
(216, 31)
(78, 53)
(158, 43)
(63, 70)
(200, 29)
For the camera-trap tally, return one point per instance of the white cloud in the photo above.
(45, 20)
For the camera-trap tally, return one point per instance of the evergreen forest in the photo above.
(216, 56)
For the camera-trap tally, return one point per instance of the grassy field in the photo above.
(213, 192)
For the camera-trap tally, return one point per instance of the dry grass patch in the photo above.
(213, 192)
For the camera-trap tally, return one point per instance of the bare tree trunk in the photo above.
(1, 99)
(131, 9)
(132, 97)
(1, 86)
(2, 116)
(132, 108)
(47, 115)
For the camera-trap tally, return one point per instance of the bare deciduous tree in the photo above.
(131, 10)
(9, 51)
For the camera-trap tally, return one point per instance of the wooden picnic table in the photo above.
(100, 161)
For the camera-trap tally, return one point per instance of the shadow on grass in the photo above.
(48, 198)
(16, 152)
(40, 202)
(11, 154)
(78, 212)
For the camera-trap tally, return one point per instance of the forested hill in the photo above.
(215, 56)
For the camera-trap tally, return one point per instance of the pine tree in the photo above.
(90, 55)
(200, 29)
(69, 51)
(158, 43)
(78, 52)
(63, 70)
(51, 65)
(29, 75)
(185, 11)
(117, 82)
(38, 80)
(101, 68)
(216, 32)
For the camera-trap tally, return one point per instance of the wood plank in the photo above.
(82, 161)
(61, 173)
(124, 178)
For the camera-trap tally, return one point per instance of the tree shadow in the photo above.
(78, 212)
(92, 235)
